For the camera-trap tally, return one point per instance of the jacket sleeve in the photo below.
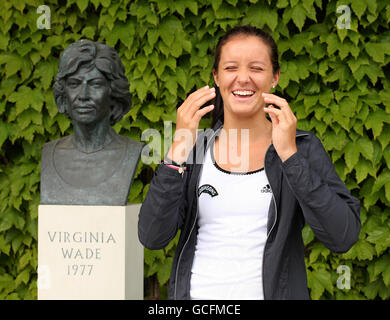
(162, 212)
(327, 205)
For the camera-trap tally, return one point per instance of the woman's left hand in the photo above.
(284, 124)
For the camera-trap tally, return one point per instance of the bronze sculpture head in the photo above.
(94, 165)
(89, 55)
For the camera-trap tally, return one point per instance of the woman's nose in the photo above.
(242, 75)
(84, 92)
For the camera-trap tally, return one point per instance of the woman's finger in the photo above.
(194, 96)
(274, 99)
(201, 99)
(274, 119)
(200, 113)
(280, 102)
(271, 110)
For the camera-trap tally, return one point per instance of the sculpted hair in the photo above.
(246, 30)
(86, 53)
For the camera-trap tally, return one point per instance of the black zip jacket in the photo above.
(306, 188)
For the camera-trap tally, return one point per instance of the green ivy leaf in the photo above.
(380, 238)
(332, 140)
(386, 277)
(216, 4)
(153, 35)
(89, 32)
(351, 155)
(364, 251)
(193, 6)
(371, 290)
(375, 121)
(152, 256)
(141, 88)
(25, 259)
(298, 16)
(16, 242)
(318, 281)
(3, 133)
(135, 190)
(13, 63)
(23, 277)
(307, 235)
(29, 116)
(181, 78)
(378, 51)
(164, 271)
(366, 148)
(227, 11)
(46, 70)
(316, 250)
(333, 43)
(359, 7)
(386, 155)
(5, 247)
(26, 97)
(105, 3)
(63, 122)
(363, 168)
(347, 107)
(260, 15)
(385, 97)
(82, 4)
(11, 217)
(383, 178)
(153, 113)
(381, 266)
(169, 28)
(7, 281)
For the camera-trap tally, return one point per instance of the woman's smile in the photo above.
(243, 95)
(244, 72)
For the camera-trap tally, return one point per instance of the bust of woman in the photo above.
(94, 165)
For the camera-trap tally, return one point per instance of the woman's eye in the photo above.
(72, 84)
(230, 68)
(96, 83)
(257, 68)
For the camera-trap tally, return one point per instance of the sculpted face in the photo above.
(88, 96)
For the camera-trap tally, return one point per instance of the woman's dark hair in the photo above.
(217, 113)
(86, 53)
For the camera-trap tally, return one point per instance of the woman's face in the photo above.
(244, 73)
(88, 94)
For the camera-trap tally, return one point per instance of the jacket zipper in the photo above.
(196, 218)
(276, 213)
(273, 225)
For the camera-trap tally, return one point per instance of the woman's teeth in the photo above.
(243, 93)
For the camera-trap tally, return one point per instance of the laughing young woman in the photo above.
(242, 205)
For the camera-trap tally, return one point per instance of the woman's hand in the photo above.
(284, 124)
(187, 123)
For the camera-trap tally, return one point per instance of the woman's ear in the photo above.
(275, 79)
(215, 75)
(62, 104)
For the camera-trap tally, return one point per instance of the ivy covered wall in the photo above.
(334, 72)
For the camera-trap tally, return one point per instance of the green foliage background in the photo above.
(337, 82)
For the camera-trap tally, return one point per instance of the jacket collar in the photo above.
(207, 136)
(298, 133)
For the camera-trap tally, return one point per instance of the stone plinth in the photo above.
(89, 252)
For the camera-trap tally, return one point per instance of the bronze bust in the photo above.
(94, 165)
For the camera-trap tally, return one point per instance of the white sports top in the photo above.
(232, 220)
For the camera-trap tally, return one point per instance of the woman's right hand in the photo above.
(187, 123)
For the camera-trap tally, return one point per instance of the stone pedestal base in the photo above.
(89, 252)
